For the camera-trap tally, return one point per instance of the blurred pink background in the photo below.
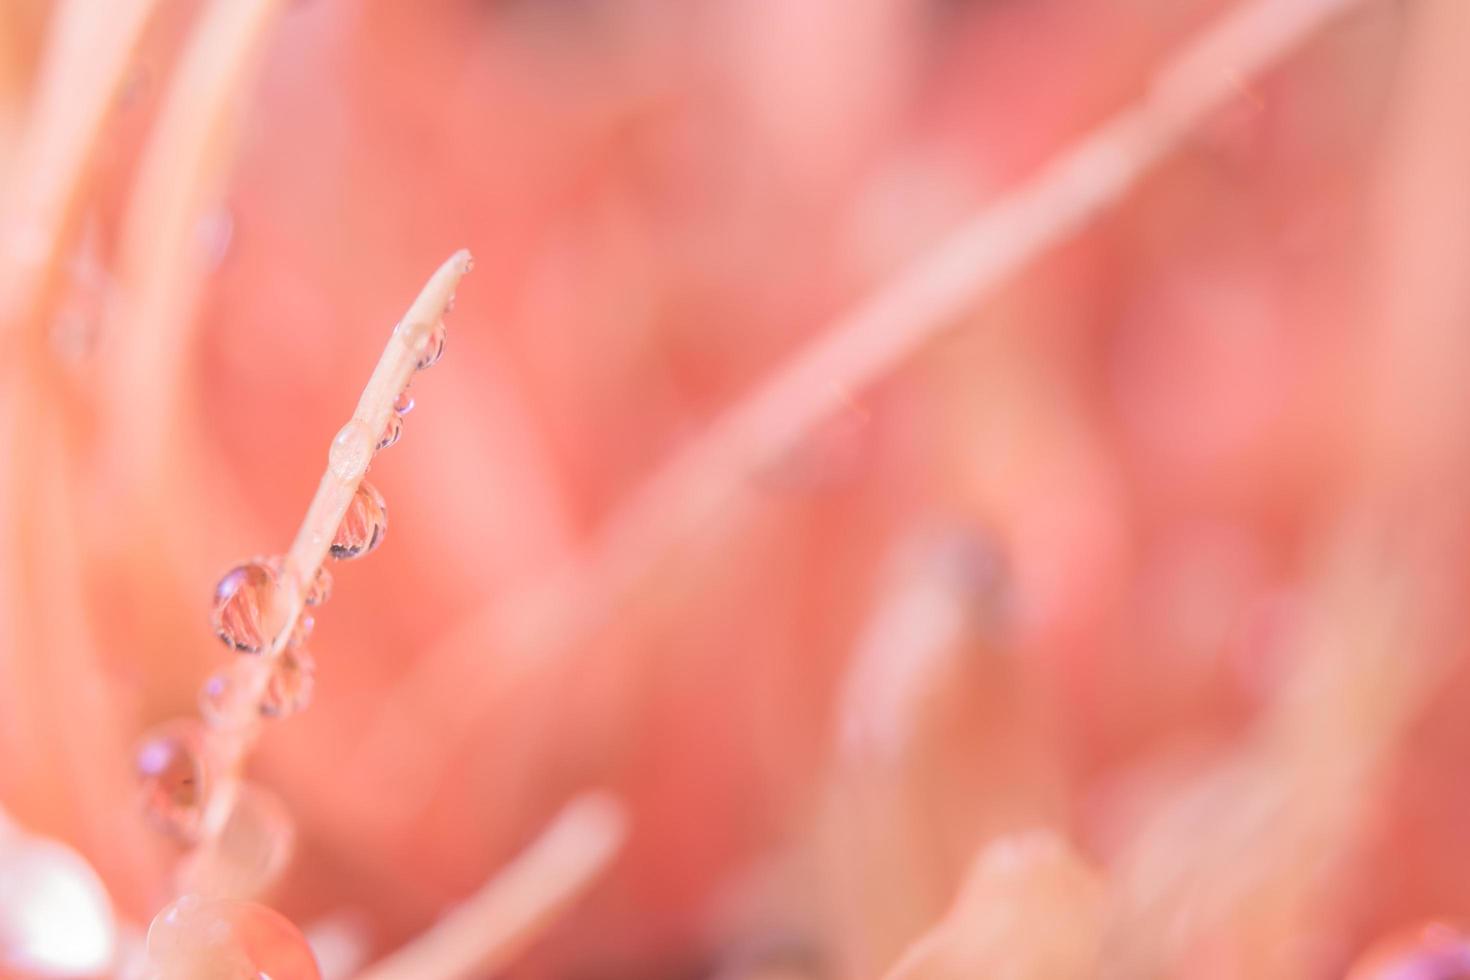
(1124, 468)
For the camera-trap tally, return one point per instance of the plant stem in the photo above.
(344, 472)
(493, 925)
(161, 265)
(916, 305)
(85, 65)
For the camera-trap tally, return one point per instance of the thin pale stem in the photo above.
(940, 287)
(161, 261)
(490, 928)
(1029, 907)
(347, 463)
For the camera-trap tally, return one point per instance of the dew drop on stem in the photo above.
(392, 432)
(363, 526)
(293, 678)
(242, 602)
(172, 774)
(351, 451)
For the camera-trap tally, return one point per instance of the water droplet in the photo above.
(55, 916)
(252, 849)
(293, 678)
(351, 451)
(403, 404)
(171, 770)
(364, 524)
(227, 939)
(242, 603)
(305, 623)
(430, 346)
(321, 587)
(225, 698)
(392, 432)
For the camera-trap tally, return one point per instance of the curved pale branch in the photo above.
(160, 260)
(920, 302)
(496, 923)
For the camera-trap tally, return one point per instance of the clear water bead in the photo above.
(351, 451)
(242, 601)
(364, 524)
(430, 346)
(171, 771)
(199, 938)
(321, 587)
(225, 701)
(293, 678)
(301, 632)
(392, 432)
(403, 404)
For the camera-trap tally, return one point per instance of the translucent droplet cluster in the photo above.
(214, 932)
(424, 340)
(253, 598)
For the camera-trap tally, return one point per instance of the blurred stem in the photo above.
(491, 927)
(88, 55)
(935, 291)
(84, 68)
(161, 261)
(916, 305)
